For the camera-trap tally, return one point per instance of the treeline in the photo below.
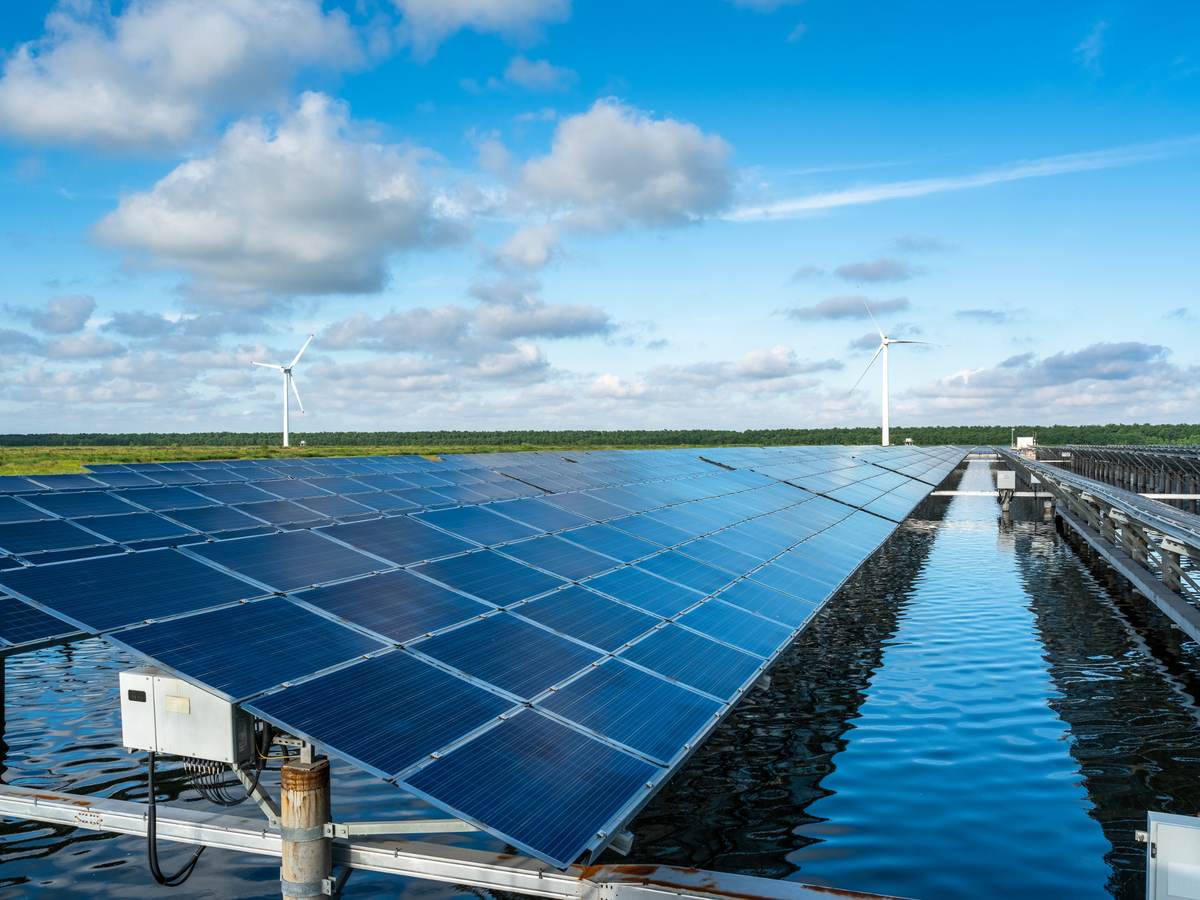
(933, 434)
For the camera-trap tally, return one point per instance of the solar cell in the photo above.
(539, 514)
(736, 626)
(560, 557)
(341, 485)
(585, 505)
(289, 560)
(547, 789)
(49, 534)
(588, 617)
(611, 542)
(513, 655)
(386, 713)
(232, 493)
(650, 530)
(292, 488)
(338, 507)
(649, 714)
(686, 571)
(112, 591)
(211, 519)
(491, 577)
(66, 482)
(694, 660)
(397, 604)
(21, 623)
(281, 512)
(74, 504)
(138, 526)
(646, 591)
(165, 498)
(477, 524)
(17, 484)
(13, 510)
(752, 596)
(402, 540)
(243, 650)
(384, 502)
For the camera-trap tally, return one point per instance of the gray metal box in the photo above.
(167, 715)
(1006, 480)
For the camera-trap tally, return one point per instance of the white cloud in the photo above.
(876, 270)
(1088, 50)
(531, 247)
(426, 23)
(847, 307)
(304, 208)
(615, 165)
(159, 70)
(84, 346)
(1035, 168)
(63, 315)
(539, 75)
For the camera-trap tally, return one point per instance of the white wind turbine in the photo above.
(288, 382)
(884, 343)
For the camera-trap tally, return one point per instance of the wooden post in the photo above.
(304, 811)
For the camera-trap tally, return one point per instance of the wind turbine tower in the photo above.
(289, 384)
(884, 343)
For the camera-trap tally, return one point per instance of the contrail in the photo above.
(1112, 158)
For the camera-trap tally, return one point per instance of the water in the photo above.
(974, 716)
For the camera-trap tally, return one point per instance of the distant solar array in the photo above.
(533, 642)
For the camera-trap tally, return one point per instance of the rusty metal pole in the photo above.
(304, 811)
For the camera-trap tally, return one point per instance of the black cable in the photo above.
(152, 842)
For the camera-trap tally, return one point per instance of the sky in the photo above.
(501, 214)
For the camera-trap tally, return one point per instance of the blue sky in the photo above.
(545, 213)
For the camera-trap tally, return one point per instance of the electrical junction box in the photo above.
(169, 716)
(1006, 480)
(1026, 443)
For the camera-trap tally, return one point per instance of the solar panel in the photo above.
(113, 591)
(694, 660)
(511, 654)
(736, 626)
(21, 623)
(17, 484)
(249, 648)
(686, 571)
(292, 488)
(289, 560)
(539, 514)
(477, 524)
(757, 598)
(649, 592)
(232, 493)
(545, 788)
(491, 577)
(138, 526)
(401, 540)
(72, 505)
(588, 617)
(386, 713)
(647, 713)
(281, 512)
(13, 510)
(397, 605)
(611, 542)
(51, 534)
(560, 557)
(165, 498)
(338, 507)
(212, 519)
(65, 482)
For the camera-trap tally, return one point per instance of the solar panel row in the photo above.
(537, 664)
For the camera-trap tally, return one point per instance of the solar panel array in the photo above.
(533, 642)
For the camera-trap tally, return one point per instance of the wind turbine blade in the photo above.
(894, 341)
(878, 350)
(302, 349)
(267, 365)
(876, 324)
(292, 382)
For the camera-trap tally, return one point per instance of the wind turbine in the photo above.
(884, 343)
(288, 382)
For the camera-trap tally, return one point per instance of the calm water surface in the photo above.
(973, 716)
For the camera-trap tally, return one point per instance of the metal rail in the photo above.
(1142, 539)
(415, 859)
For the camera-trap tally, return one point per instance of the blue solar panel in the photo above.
(338, 507)
(165, 498)
(119, 590)
(585, 505)
(232, 493)
(423, 498)
(123, 479)
(211, 519)
(611, 542)
(477, 524)
(588, 617)
(51, 534)
(562, 558)
(649, 714)
(686, 571)
(288, 561)
(796, 584)
(386, 713)
(82, 503)
(763, 600)
(292, 488)
(649, 592)
(138, 526)
(715, 554)
(17, 484)
(736, 626)
(539, 514)
(21, 623)
(281, 512)
(402, 540)
(491, 577)
(66, 482)
(650, 530)
(513, 655)
(547, 789)
(249, 648)
(13, 510)
(695, 661)
(397, 604)
(341, 485)
(385, 502)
